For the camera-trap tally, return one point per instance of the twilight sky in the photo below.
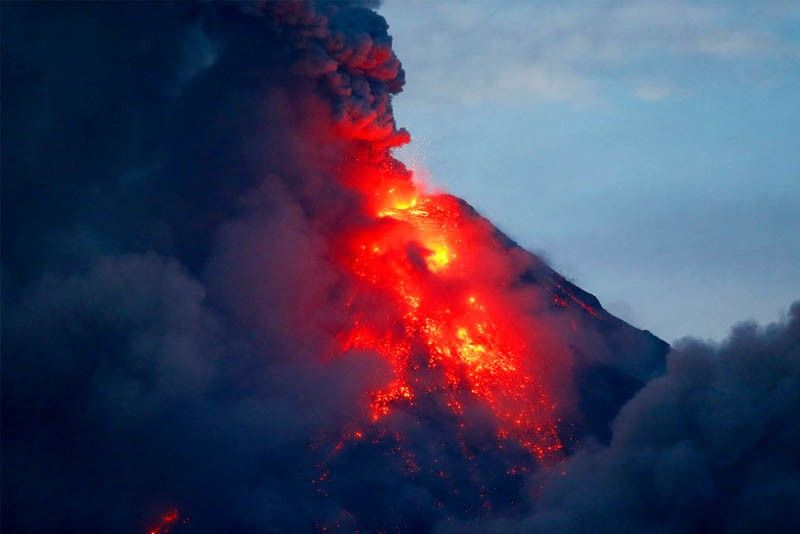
(649, 150)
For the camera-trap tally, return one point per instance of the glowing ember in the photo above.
(168, 520)
(427, 302)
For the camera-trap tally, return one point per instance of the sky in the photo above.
(649, 150)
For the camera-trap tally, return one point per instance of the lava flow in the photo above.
(431, 301)
(166, 523)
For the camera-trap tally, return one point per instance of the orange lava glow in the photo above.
(433, 299)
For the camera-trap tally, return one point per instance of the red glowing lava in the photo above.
(434, 295)
(168, 520)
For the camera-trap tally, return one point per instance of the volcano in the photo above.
(440, 291)
(498, 364)
(501, 363)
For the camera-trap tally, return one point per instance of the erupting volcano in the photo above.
(489, 350)
(423, 300)
(316, 339)
(468, 323)
(493, 361)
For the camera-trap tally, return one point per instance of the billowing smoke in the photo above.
(709, 446)
(224, 298)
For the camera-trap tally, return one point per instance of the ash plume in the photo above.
(192, 322)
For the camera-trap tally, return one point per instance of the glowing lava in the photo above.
(168, 520)
(430, 301)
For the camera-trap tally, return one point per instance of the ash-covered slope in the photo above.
(637, 353)
(612, 359)
(615, 364)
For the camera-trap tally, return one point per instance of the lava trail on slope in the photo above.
(438, 273)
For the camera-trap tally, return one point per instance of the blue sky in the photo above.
(649, 150)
